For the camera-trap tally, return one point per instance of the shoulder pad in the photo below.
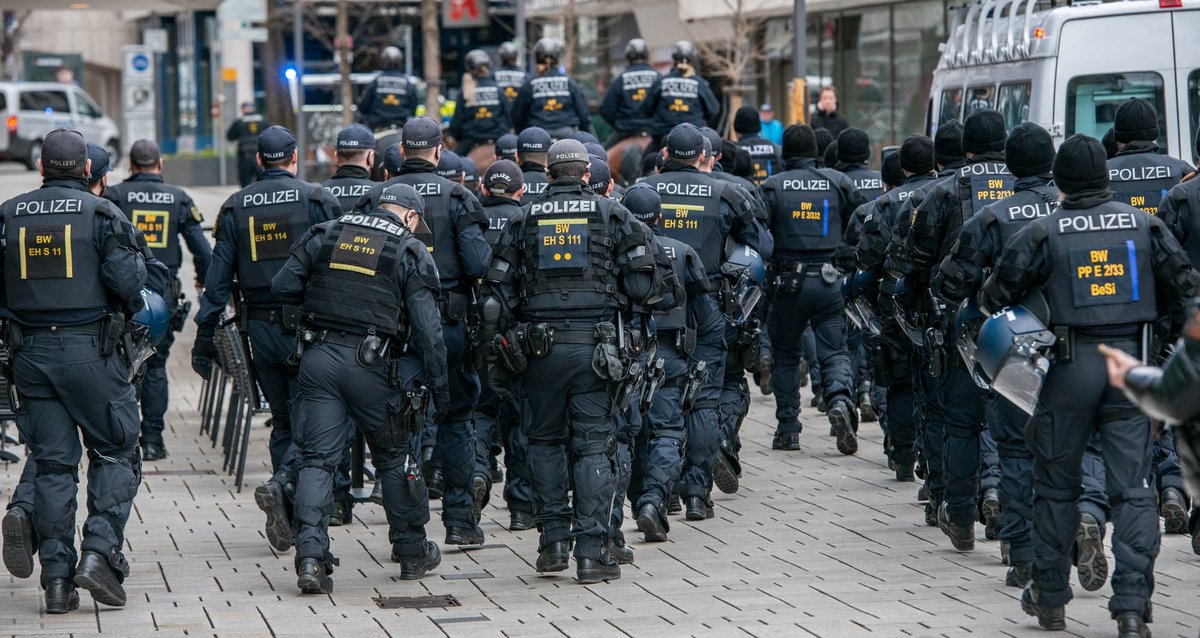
(737, 199)
(423, 263)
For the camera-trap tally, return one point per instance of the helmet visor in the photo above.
(744, 297)
(1020, 381)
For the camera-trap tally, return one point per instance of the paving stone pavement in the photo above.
(814, 544)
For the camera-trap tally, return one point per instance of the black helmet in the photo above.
(683, 51)
(547, 49)
(477, 59)
(637, 50)
(508, 53)
(392, 58)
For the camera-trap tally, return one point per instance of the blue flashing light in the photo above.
(289, 72)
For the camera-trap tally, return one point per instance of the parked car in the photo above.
(30, 110)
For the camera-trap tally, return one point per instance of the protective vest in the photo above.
(437, 192)
(568, 259)
(1143, 179)
(498, 216)
(1013, 213)
(675, 319)
(679, 102)
(252, 125)
(535, 184)
(763, 158)
(635, 85)
(156, 210)
(354, 285)
(553, 102)
(269, 216)
(867, 181)
(691, 213)
(807, 220)
(51, 261)
(347, 190)
(482, 116)
(391, 96)
(510, 80)
(983, 183)
(1101, 271)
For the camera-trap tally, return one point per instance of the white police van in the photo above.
(1068, 65)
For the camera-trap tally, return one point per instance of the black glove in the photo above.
(501, 381)
(441, 404)
(204, 351)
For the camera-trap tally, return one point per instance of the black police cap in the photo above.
(63, 150)
(1136, 120)
(643, 201)
(470, 170)
(585, 137)
(100, 162)
(601, 175)
(853, 146)
(685, 142)
(392, 159)
(504, 176)
(404, 196)
(891, 171)
(947, 143)
(916, 154)
(1081, 164)
(799, 140)
(276, 143)
(506, 145)
(984, 131)
(421, 133)
(450, 165)
(145, 153)
(567, 150)
(824, 139)
(594, 148)
(355, 137)
(1029, 150)
(534, 140)
(746, 121)
(714, 139)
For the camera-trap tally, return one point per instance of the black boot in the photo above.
(620, 553)
(766, 381)
(989, 506)
(727, 469)
(1019, 575)
(339, 514)
(554, 557)
(1049, 618)
(435, 482)
(464, 535)
(480, 491)
(415, 568)
(904, 472)
(61, 596)
(154, 452)
(674, 504)
(269, 498)
(1090, 562)
(961, 536)
(844, 420)
(96, 575)
(698, 509)
(590, 571)
(787, 441)
(312, 578)
(18, 542)
(651, 524)
(377, 492)
(1174, 511)
(519, 521)
(1130, 624)
(866, 407)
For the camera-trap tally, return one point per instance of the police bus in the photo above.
(1067, 66)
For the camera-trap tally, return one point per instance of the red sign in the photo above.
(464, 13)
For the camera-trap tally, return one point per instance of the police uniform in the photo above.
(72, 269)
(553, 102)
(1103, 267)
(809, 211)
(349, 299)
(255, 229)
(572, 262)
(389, 100)
(510, 79)
(483, 120)
(1138, 174)
(622, 104)
(244, 131)
(533, 140)
(351, 181)
(163, 214)
(678, 99)
(702, 213)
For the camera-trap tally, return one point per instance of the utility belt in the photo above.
(683, 340)
(370, 347)
(128, 340)
(788, 277)
(454, 306)
(286, 316)
(1067, 337)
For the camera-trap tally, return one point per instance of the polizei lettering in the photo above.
(983, 168)
(428, 189)
(251, 200)
(150, 197)
(869, 183)
(563, 206)
(347, 190)
(1139, 173)
(49, 206)
(805, 184)
(1091, 223)
(371, 221)
(684, 190)
(1025, 212)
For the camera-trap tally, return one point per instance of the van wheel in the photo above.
(35, 156)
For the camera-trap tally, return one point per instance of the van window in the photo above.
(42, 100)
(3, 102)
(1092, 101)
(979, 97)
(951, 103)
(85, 107)
(1013, 103)
(1193, 92)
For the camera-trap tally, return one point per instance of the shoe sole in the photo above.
(1092, 566)
(18, 547)
(479, 492)
(595, 580)
(651, 529)
(100, 591)
(465, 543)
(421, 574)
(1196, 543)
(71, 606)
(279, 533)
(844, 431)
(867, 414)
(550, 569)
(991, 518)
(313, 585)
(519, 528)
(724, 477)
(1175, 518)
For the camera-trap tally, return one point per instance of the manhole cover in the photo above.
(415, 602)
(179, 473)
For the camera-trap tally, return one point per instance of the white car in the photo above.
(30, 110)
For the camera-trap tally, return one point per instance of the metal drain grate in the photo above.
(179, 473)
(415, 602)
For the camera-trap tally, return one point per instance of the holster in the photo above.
(749, 338)
(696, 377)
(454, 306)
(656, 373)
(112, 326)
(509, 352)
(607, 359)
(630, 387)
(1064, 349)
(539, 339)
(403, 425)
(935, 347)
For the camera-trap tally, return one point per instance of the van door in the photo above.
(1092, 80)
(88, 118)
(42, 111)
(1186, 24)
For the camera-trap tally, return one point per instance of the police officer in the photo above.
(532, 146)
(579, 294)
(510, 77)
(601, 181)
(355, 156)
(1104, 268)
(391, 98)
(359, 306)
(853, 151)
(255, 229)
(681, 96)
(481, 117)
(66, 309)
(1029, 154)
(809, 210)
(471, 176)
(450, 168)
(1140, 175)
(244, 131)
(506, 147)
(163, 214)
(702, 213)
(622, 105)
(461, 253)
(763, 154)
(550, 99)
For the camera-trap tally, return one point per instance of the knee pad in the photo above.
(47, 468)
(589, 443)
(1069, 495)
(1132, 495)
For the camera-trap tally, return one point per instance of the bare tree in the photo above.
(431, 34)
(10, 34)
(275, 89)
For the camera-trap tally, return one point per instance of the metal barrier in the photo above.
(8, 416)
(231, 377)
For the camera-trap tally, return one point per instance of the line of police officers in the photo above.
(603, 345)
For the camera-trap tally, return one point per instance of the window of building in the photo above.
(1013, 103)
(45, 100)
(1092, 101)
